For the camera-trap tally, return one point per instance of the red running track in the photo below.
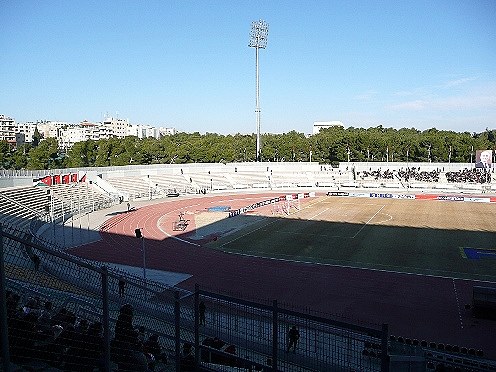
(415, 306)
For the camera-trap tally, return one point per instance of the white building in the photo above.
(163, 131)
(16, 134)
(7, 130)
(318, 125)
(68, 134)
(53, 129)
(78, 133)
(118, 126)
(143, 131)
(26, 132)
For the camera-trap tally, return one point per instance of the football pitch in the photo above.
(443, 238)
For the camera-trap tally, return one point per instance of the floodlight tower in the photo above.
(258, 39)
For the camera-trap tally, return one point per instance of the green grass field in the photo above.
(414, 236)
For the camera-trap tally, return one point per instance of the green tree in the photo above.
(82, 154)
(45, 156)
(5, 155)
(36, 138)
(19, 159)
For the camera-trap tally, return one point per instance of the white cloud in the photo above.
(447, 103)
(409, 93)
(456, 82)
(467, 102)
(366, 96)
(416, 105)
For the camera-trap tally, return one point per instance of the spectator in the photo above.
(22, 332)
(293, 337)
(45, 319)
(469, 175)
(231, 361)
(63, 317)
(152, 346)
(416, 174)
(68, 338)
(87, 352)
(127, 350)
(214, 343)
(32, 306)
(36, 261)
(187, 358)
(82, 326)
(12, 304)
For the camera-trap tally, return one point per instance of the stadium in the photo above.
(380, 266)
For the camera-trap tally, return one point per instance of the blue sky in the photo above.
(187, 64)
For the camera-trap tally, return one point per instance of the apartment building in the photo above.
(16, 134)
(68, 134)
(143, 131)
(78, 133)
(7, 130)
(119, 127)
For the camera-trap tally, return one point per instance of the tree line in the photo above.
(329, 146)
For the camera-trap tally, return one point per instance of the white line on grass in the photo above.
(386, 220)
(389, 271)
(366, 223)
(318, 214)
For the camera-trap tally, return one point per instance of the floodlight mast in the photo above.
(258, 39)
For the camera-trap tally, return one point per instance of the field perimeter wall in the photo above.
(385, 195)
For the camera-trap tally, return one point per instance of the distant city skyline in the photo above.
(187, 64)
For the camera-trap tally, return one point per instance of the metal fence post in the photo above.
(105, 319)
(384, 348)
(177, 327)
(4, 333)
(275, 334)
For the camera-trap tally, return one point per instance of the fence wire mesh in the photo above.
(67, 313)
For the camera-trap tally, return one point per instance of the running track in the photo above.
(415, 306)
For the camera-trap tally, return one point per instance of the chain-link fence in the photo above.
(59, 311)
(250, 334)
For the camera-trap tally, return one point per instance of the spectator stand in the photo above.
(21, 205)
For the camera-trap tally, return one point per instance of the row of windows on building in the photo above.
(68, 134)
